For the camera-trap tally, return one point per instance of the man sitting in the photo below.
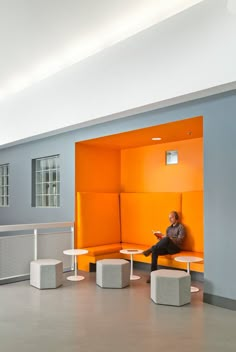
(169, 244)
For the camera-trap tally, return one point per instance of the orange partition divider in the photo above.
(97, 169)
(98, 219)
(192, 210)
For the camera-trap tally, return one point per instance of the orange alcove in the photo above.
(133, 162)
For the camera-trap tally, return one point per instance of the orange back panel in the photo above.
(143, 212)
(98, 219)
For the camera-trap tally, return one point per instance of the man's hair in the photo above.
(175, 214)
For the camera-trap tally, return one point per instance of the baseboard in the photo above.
(219, 301)
(14, 279)
(23, 278)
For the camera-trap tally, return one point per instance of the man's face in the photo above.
(172, 218)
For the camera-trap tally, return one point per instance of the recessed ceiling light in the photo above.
(156, 139)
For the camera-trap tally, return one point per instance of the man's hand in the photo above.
(158, 234)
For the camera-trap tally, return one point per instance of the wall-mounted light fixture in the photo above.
(171, 157)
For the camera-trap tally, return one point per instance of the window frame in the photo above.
(4, 185)
(46, 182)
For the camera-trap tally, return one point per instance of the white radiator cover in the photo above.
(16, 252)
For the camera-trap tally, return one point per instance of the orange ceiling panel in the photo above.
(169, 132)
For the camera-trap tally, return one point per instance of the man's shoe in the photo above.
(148, 280)
(147, 252)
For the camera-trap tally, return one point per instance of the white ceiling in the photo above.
(41, 37)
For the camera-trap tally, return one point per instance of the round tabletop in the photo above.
(188, 259)
(75, 251)
(131, 251)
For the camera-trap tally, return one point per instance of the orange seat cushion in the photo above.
(99, 250)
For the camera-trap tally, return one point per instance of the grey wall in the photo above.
(220, 198)
(219, 182)
(20, 160)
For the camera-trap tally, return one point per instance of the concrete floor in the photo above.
(80, 316)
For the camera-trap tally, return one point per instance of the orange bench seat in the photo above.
(105, 249)
(97, 253)
(109, 222)
(165, 260)
(113, 251)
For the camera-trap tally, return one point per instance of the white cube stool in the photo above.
(46, 273)
(170, 287)
(113, 273)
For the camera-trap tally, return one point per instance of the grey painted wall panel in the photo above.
(220, 200)
(20, 160)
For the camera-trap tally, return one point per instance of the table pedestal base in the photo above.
(194, 289)
(75, 278)
(188, 260)
(134, 277)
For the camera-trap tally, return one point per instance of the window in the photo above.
(46, 182)
(4, 185)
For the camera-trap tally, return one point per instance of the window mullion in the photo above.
(47, 183)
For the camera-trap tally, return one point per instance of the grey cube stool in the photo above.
(46, 273)
(113, 273)
(170, 287)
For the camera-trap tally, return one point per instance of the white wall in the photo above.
(190, 52)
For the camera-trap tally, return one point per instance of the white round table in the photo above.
(132, 252)
(75, 252)
(188, 260)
